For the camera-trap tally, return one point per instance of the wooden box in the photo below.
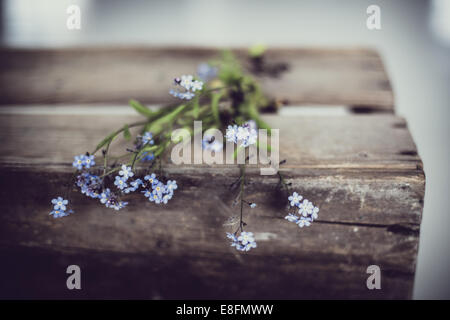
(359, 164)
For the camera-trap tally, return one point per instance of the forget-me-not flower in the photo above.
(58, 213)
(171, 185)
(244, 242)
(291, 217)
(147, 156)
(89, 161)
(305, 208)
(147, 138)
(126, 172)
(151, 179)
(189, 85)
(295, 199)
(210, 143)
(60, 204)
(78, 161)
(242, 135)
(120, 183)
(206, 72)
(304, 222)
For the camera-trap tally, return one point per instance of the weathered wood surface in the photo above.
(353, 77)
(361, 170)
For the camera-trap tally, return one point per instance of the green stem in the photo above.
(241, 224)
(113, 135)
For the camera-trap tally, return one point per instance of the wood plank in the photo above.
(371, 159)
(361, 170)
(330, 254)
(355, 141)
(354, 77)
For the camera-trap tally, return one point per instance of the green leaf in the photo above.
(140, 108)
(257, 50)
(157, 126)
(126, 132)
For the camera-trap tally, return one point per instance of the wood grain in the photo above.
(353, 77)
(363, 171)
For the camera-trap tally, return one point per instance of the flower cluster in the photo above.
(244, 135)
(307, 212)
(83, 161)
(156, 191)
(244, 242)
(111, 200)
(60, 208)
(122, 178)
(189, 85)
(142, 141)
(90, 184)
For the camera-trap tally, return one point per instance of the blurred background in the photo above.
(414, 42)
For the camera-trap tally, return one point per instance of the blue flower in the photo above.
(248, 246)
(159, 188)
(148, 156)
(206, 72)
(174, 93)
(186, 95)
(295, 199)
(171, 185)
(291, 217)
(244, 242)
(147, 138)
(210, 143)
(119, 205)
(90, 185)
(245, 134)
(186, 81)
(232, 237)
(305, 208)
(160, 192)
(59, 213)
(189, 85)
(110, 200)
(134, 186)
(252, 205)
(304, 222)
(89, 161)
(136, 183)
(196, 85)
(120, 183)
(165, 198)
(82, 160)
(60, 204)
(78, 161)
(151, 179)
(104, 196)
(126, 172)
(231, 132)
(246, 237)
(147, 194)
(155, 197)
